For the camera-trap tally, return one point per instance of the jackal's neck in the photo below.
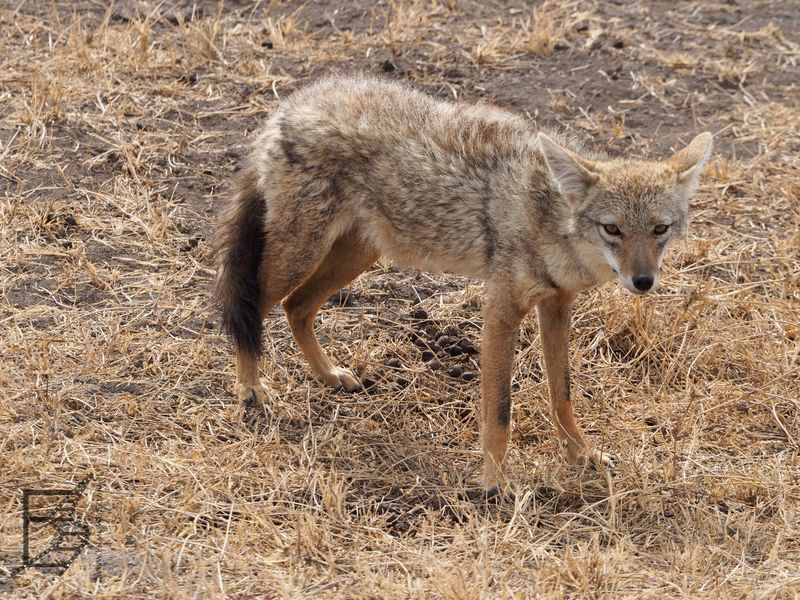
(585, 266)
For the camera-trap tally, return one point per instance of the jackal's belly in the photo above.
(432, 245)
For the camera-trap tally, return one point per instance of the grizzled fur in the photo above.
(351, 169)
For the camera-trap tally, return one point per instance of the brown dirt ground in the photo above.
(120, 129)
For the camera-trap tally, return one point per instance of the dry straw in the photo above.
(120, 128)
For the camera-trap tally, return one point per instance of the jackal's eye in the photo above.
(612, 229)
(660, 229)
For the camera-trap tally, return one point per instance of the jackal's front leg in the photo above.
(554, 323)
(500, 331)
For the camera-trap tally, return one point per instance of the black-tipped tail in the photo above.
(240, 247)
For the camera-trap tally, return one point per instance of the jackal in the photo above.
(351, 169)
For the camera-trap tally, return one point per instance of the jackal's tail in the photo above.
(239, 248)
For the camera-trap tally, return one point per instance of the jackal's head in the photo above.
(625, 212)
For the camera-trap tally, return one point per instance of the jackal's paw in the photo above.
(340, 377)
(602, 460)
(254, 396)
(581, 457)
(496, 494)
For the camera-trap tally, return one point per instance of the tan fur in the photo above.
(352, 169)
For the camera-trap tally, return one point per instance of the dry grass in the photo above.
(119, 129)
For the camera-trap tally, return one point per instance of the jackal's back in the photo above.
(427, 181)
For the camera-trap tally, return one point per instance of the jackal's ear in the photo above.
(688, 163)
(573, 178)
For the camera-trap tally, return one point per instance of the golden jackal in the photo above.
(351, 169)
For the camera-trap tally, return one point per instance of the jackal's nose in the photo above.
(642, 282)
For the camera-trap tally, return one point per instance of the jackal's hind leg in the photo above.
(250, 391)
(286, 263)
(348, 258)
